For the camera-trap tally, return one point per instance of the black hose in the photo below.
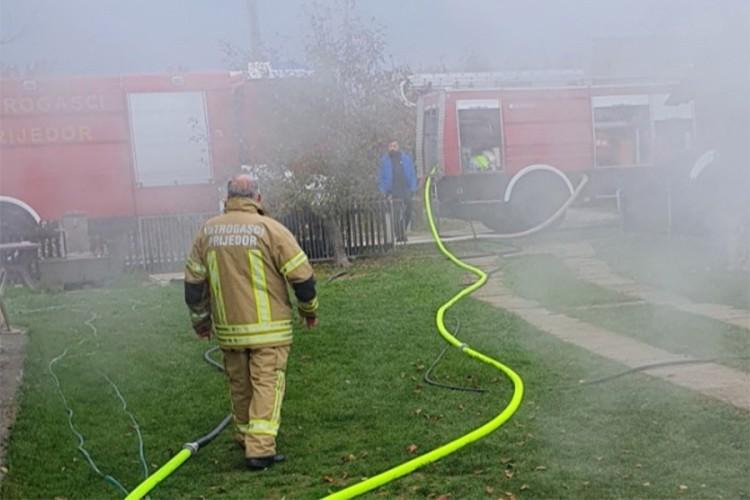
(204, 440)
(492, 271)
(335, 276)
(428, 372)
(651, 366)
(433, 383)
(210, 360)
(428, 380)
(488, 254)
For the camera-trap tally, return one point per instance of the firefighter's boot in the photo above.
(261, 463)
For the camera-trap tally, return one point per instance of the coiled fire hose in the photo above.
(476, 434)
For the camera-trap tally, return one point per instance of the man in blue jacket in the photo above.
(398, 180)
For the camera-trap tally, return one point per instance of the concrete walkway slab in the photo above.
(711, 379)
(582, 260)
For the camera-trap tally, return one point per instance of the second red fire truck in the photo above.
(510, 149)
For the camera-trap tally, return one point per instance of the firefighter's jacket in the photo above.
(246, 259)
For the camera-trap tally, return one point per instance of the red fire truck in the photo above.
(511, 149)
(117, 148)
(114, 148)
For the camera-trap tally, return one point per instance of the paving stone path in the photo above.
(723, 383)
(582, 260)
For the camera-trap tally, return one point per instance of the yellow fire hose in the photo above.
(161, 474)
(478, 433)
(422, 460)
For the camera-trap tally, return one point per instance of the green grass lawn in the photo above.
(356, 402)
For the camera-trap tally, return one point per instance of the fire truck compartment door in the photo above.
(169, 138)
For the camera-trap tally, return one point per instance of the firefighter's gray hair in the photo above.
(242, 186)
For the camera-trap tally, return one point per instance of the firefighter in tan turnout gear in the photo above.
(236, 288)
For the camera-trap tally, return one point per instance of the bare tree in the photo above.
(327, 130)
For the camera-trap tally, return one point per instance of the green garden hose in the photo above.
(109, 478)
(478, 433)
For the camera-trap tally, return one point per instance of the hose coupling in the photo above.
(193, 447)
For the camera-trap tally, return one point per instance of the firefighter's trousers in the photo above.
(256, 384)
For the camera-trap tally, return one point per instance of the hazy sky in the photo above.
(127, 36)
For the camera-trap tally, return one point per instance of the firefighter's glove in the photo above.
(311, 322)
(203, 329)
(309, 319)
(308, 312)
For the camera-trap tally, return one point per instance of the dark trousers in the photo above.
(403, 209)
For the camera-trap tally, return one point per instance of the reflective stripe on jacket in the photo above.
(247, 259)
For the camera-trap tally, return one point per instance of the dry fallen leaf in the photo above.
(524, 487)
(683, 487)
(647, 483)
(510, 495)
(329, 479)
(418, 411)
(348, 458)
(506, 460)
(412, 448)
(540, 468)
(508, 472)
(443, 497)
(3, 469)
(489, 490)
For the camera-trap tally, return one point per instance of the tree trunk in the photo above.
(337, 239)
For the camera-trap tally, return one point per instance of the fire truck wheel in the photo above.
(16, 224)
(536, 197)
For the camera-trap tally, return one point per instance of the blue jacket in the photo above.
(385, 176)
